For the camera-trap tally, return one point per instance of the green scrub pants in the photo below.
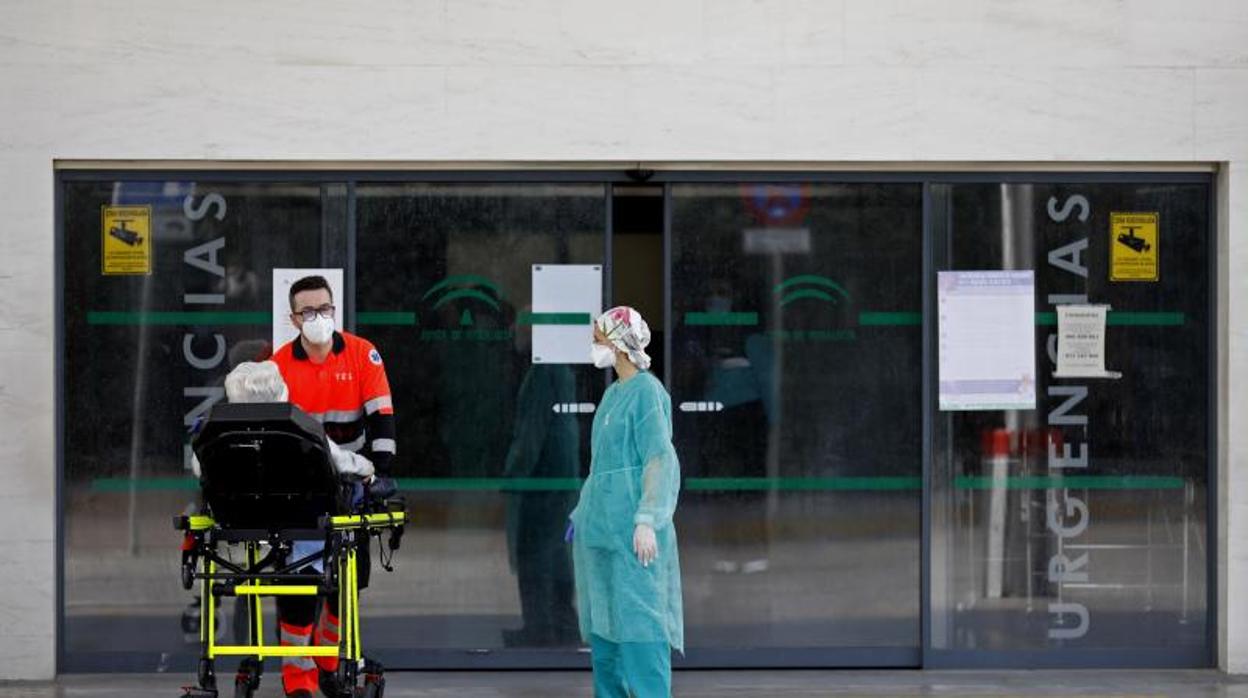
(631, 669)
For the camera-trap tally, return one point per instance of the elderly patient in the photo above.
(262, 382)
(253, 381)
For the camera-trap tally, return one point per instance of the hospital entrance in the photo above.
(831, 515)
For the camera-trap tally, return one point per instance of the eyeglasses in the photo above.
(309, 314)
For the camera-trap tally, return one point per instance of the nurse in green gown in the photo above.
(624, 544)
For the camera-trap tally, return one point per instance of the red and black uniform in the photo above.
(350, 395)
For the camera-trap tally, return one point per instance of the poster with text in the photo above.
(986, 324)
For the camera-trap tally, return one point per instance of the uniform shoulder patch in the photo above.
(374, 356)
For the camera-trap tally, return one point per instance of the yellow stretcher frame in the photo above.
(349, 644)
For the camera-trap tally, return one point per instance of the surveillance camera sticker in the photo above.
(1133, 241)
(127, 240)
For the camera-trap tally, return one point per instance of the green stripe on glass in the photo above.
(802, 484)
(1125, 319)
(488, 484)
(714, 484)
(555, 319)
(144, 484)
(701, 319)
(385, 317)
(184, 317)
(1146, 319)
(868, 318)
(1079, 482)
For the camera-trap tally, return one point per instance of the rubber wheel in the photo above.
(248, 678)
(207, 677)
(344, 680)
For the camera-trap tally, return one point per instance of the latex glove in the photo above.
(645, 545)
(381, 487)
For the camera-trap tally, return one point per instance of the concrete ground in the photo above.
(705, 684)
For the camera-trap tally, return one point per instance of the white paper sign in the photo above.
(283, 329)
(987, 340)
(1081, 342)
(777, 240)
(566, 299)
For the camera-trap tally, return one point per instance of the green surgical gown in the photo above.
(634, 478)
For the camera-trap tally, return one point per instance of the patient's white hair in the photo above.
(253, 381)
(261, 381)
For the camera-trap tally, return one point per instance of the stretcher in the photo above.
(268, 482)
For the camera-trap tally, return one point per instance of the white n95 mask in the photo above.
(318, 330)
(603, 357)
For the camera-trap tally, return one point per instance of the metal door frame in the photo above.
(921, 656)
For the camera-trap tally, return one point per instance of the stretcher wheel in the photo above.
(374, 680)
(207, 677)
(343, 681)
(248, 678)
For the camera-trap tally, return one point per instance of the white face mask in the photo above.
(603, 357)
(318, 330)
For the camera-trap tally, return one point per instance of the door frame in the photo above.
(921, 656)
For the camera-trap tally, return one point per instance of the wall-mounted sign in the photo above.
(126, 234)
(1133, 247)
(777, 240)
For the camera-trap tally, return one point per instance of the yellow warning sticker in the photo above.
(127, 239)
(1133, 247)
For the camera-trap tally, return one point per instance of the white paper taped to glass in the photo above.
(987, 343)
(1081, 342)
(566, 299)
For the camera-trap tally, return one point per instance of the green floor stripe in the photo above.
(701, 319)
(385, 317)
(183, 317)
(714, 484)
(555, 319)
(868, 318)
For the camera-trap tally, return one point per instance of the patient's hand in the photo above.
(348, 463)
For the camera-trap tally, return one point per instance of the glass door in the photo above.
(796, 370)
(831, 513)
(1074, 534)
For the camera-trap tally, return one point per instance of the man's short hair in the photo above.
(309, 283)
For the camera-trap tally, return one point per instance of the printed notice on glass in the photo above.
(1081, 342)
(987, 340)
(566, 299)
(284, 328)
